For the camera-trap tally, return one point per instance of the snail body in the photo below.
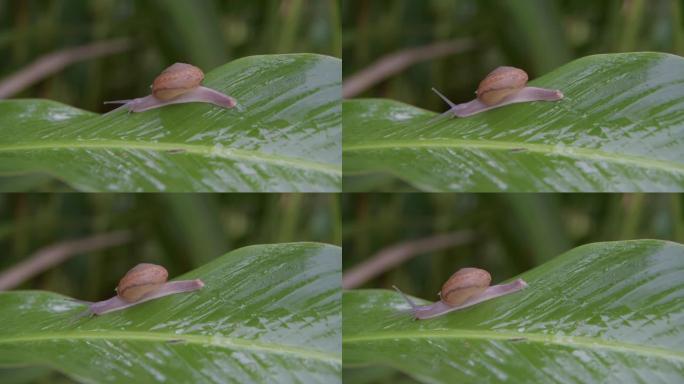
(502, 86)
(465, 288)
(177, 84)
(142, 283)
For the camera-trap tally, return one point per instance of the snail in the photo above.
(502, 86)
(177, 84)
(142, 283)
(465, 288)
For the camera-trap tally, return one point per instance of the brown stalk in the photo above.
(393, 63)
(392, 256)
(55, 254)
(51, 63)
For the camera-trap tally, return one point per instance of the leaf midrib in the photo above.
(567, 341)
(209, 151)
(546, 149)
(218, 341)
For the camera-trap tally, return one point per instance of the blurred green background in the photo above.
(510, 233)
(206, 33)
(536, 35)
(179, 231)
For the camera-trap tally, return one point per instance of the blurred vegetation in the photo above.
(207, 33)
(512, 232)
(179, 231)
(537, 35)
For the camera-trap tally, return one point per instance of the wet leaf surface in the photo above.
(266, 311)
(619, 128)
(603, 312)
(284, 135)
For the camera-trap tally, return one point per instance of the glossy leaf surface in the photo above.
(620, 127)
(266, 311)
(603, 312)
(284, 135)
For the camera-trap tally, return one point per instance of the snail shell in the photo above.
(463, 285)
(141, 280)
(176, 80)
(500, 83)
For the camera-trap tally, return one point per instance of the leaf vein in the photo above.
(568, 341)
(559, 150)
(196, 149)
(180, 339)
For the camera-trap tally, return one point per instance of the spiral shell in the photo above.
(141, 280)
(464, 284)
(500, 83)
(176, 80)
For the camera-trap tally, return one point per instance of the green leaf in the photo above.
(266, 311)
(284, 136)
(603, 312)
(619, 128)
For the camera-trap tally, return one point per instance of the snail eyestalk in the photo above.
(413, 306)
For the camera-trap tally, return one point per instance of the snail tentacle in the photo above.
(453, 108)
(452, 105)
(411, 303)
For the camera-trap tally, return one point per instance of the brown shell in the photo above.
(500, 83)
(140, 280)
(464, 284)
(176, 80)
